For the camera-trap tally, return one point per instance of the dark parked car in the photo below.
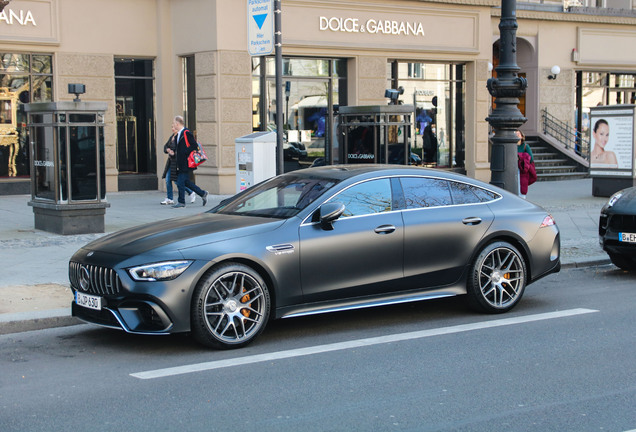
(294, 151)
(617, 228)
(313, 241)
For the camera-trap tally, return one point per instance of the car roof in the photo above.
(344, 172)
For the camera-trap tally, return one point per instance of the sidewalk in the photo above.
(34, 288)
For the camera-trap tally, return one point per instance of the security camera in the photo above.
(393, 94)
(77, 89)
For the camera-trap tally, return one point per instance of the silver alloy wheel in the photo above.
(497, 278)
(501, 277)
(234, 307)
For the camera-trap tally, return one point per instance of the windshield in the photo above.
(281, 197)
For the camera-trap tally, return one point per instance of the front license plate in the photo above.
(88, 301)
(627, 237)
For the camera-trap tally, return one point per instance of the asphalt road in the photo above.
(563, 360)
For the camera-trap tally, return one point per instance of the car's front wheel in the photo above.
(497, 278)
(230, 307)
(623, 262)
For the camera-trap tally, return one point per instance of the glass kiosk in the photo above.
(68, 177)
(375, 134)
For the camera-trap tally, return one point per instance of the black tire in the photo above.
(230, 307)
(497, 278)
(622, 262)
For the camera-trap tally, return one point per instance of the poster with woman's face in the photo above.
(611, 140)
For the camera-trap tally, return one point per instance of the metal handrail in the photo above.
(570, 137)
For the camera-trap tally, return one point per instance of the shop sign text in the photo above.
(364, 156)
(387, 27)
(10, 17)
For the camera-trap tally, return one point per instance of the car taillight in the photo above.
(548, 221)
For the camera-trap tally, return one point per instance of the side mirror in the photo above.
(328, 213)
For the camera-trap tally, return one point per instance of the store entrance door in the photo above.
(136, 149)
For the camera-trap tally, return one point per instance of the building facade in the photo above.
(150, 60)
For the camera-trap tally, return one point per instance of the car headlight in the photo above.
(613, 200)
(159, 271)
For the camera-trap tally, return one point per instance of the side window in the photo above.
(485, 195)
(366, 198)
(421, 192)
(463, 193)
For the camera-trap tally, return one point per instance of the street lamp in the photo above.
(555, 71)
(506, 118)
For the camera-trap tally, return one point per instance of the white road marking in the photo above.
(240, 361)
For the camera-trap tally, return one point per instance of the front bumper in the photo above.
(609, 229)
(132, 316)
(142, 307)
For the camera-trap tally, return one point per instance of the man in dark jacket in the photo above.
(186, 144)
(170, 170)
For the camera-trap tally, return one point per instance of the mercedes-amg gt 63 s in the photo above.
(617, 229)
(313, 241)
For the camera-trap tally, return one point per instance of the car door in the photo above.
(362, 254)
(440, 234)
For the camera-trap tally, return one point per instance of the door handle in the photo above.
(471, 221)
(384, 229)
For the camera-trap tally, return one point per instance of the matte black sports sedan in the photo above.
(313, 241)
(617, 228)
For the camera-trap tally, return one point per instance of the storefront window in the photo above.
(24, 78)
(135, 116)
(437, 92)
(313, 91)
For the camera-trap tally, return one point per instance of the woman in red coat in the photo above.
(527, 172)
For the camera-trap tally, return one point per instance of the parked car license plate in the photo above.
(88, 301)
(627, 237)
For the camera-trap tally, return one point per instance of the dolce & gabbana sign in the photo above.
(21, 17)
(322, 23)
(373, 26)
(30, 21)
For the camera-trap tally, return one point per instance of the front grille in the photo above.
(94, 279)
(623, 223)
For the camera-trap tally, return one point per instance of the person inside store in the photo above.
(170, 170)
(423, 120)
(429, 144)
(186, 144)
(527, 171)
(599, 155)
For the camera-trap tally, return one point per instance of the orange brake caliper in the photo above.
(245, 299)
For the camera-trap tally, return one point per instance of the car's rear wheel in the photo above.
(497, 279)
(623, 262)
(230, 307)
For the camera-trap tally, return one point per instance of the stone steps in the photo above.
(551, 165)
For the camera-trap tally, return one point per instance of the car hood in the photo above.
(181, 232)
